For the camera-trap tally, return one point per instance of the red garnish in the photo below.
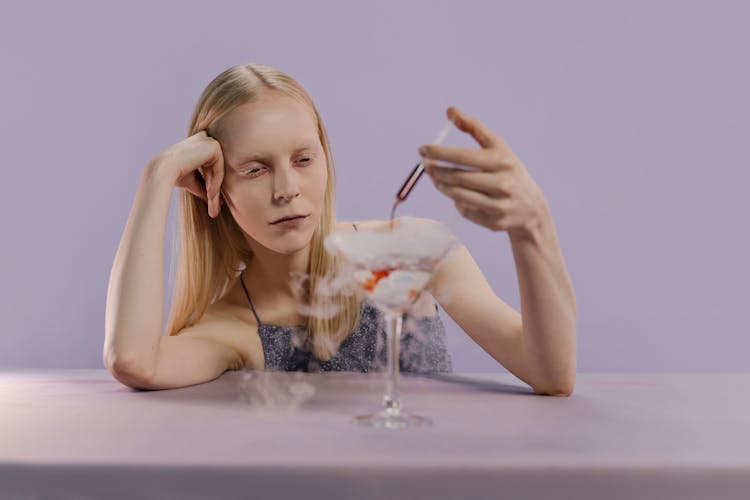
(377, 275)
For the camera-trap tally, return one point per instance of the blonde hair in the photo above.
(212, 250)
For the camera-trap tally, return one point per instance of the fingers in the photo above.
(201, 164)
(203, 192)
(492, 212)
(212, 190)
(479, 217)
(210, 193)
(466, 123)
(219, 179)
(214, 177)
(474, 199)
(489, 183)
(494, 154)
(208, 190)
(484, 159)
(193, 184)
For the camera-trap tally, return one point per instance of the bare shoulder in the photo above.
(218, 312)
(224, 323)
(214, 324)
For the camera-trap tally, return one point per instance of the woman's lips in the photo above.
(293, 218)
(291, 223)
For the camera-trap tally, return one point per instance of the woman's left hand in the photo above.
(498, 192)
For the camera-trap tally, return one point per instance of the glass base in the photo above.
(391, 418)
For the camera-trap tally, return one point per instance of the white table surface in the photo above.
(82, 434)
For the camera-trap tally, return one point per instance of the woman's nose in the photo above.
(278, 196)
(286, 186)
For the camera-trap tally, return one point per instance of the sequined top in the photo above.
(422, 345)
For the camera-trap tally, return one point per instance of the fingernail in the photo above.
(423, 150)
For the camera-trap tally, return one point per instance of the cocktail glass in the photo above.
(393, 267)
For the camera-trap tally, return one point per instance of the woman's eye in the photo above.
(306, 160)
(252, 171)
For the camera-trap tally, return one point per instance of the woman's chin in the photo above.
(289, 244)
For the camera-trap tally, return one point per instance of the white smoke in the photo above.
(270, 393)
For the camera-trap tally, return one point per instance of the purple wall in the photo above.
(629, 115)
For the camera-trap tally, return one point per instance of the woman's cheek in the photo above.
(322, 183)
(241, 197)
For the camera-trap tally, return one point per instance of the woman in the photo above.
(256, 153)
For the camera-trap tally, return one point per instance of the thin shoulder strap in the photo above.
(242, 280)
(355, 226)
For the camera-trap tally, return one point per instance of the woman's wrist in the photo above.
(159, 170)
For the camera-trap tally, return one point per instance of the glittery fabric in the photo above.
(422, 346)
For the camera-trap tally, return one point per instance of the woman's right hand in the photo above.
(197, 164)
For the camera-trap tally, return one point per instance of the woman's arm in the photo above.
(549, 307)
(538, 346)
(135, 294)
(134, 310)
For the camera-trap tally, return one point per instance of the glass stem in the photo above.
(393, 323)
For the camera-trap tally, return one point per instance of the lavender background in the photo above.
(629, 115)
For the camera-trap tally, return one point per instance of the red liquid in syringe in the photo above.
(406, 188)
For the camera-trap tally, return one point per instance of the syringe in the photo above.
(418, 170)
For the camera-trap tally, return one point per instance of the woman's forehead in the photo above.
(275, 123)
(268, 111)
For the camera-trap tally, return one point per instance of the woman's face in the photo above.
(274, 166)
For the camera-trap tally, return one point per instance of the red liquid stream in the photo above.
(406, 188)
(393, 212)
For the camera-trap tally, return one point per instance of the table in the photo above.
(251, 434)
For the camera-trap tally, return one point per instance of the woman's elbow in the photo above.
(556, 390)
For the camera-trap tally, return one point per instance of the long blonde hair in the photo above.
(212, 250)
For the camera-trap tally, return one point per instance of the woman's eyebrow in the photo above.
(259, 156)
